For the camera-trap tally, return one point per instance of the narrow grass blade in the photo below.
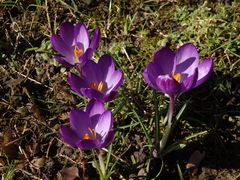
(143, 127)
(180, 172)
(182, 143)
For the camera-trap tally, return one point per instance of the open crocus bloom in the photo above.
(98, 80)
(73, 43)
(175, 73)
(91, 129)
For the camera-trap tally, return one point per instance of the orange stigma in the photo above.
(77, 52)
(93, 85)
(86, 136)
(93, 134)
(176, 76)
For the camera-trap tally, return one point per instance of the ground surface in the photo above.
(35, 97)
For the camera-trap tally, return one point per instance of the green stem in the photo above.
(101, 163)
(157, 127)
(166, 118)
(165, 136)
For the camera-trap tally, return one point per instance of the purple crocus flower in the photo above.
(98, 80)
(73, 44)
(91, 129)
(175, 73)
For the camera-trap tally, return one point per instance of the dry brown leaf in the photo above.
(8, 146)
(38, 163)
(36, 111)
(194, 161)
(20, 164)
(32, 148)
(68, 173)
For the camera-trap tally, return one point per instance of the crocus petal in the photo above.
(88, 144)
(189, 82)
(67, 33)
(151, 73)
(86, 56)
(186, 59)
(204, 70)
(69, 136)
(76, 82)
(107, 66)
(81, 35)
(168, 85)
(108, 139)
(115, 81)
(79, 122)
(95, 107)
(164, 57)
(104, 124)
(91, 93)
(91, 72)
(95, 39)
(63, 61)
(147, 80)
(60, 46)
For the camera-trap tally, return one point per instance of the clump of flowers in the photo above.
(171, 73)
(91, 129)
(175, 73)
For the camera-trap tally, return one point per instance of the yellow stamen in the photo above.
(176, 76)
(77, 52)
(93, 85)
(93, 133)
(100, 86)
(96, 86)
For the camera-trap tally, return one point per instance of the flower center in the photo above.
(98, 87)
(91, 135)
(77, 52)
(176, 76)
